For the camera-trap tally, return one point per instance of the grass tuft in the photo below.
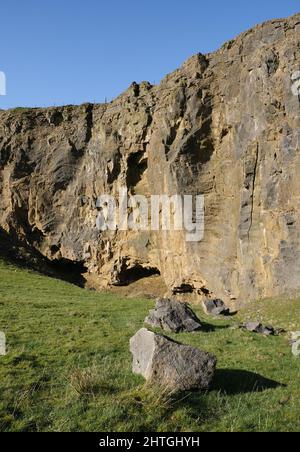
(89, 382)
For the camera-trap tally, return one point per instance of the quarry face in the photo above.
(225, 125)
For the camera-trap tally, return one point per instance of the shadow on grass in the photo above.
(232, 314)
(209, 328)
(227, 382)
(233, 381)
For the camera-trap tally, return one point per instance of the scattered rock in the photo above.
(215, 307)
(257, 327)
(171, 364)
(174, 316)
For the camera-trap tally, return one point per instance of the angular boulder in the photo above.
(215, 307)
(171, 364)
(173, 316)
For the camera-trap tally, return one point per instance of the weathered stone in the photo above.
(257, 327)
(172, 315)
(225, 125)
(215, 307)
(170, 364)
(252, 326)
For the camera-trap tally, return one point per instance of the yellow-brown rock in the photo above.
(226, 125)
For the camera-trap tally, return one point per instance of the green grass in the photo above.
(68, 366)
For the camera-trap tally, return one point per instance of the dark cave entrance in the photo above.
(132, 274)
(69, 271)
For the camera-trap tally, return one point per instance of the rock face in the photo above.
(173, 316)
(215, 307)
(225, 125)
(170, 364)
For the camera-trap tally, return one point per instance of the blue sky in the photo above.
(73, 51)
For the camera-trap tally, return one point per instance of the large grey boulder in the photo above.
(170, 364)
(173, 316)
(215, 307)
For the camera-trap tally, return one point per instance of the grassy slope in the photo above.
(69, 368)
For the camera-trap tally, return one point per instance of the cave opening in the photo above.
(136, 273)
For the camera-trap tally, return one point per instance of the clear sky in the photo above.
(73, 51)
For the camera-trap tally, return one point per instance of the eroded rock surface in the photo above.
(170, 364)
(173, 316)
(225, 125)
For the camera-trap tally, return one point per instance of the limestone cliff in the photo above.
(225, 124)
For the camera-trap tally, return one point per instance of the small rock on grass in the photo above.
(215, 307)
(257, 327)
